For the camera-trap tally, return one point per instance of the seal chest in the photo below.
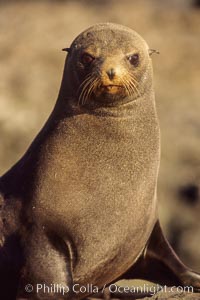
(110, 191)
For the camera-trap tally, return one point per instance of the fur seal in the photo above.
(80, 206)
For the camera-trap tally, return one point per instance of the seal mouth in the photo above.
(111, 88)
(110, 85)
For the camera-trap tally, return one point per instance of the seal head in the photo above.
(107, 64)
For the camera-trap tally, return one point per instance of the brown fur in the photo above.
(87, 184)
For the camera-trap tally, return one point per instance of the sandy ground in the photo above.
(32, 34)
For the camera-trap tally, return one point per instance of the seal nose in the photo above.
(111, 73)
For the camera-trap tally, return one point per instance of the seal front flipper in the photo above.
(159, 263)
(11, 257)
(47, 273)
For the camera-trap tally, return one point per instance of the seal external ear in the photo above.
(66, 50)
(152, 51)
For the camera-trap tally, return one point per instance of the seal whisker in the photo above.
(92, 87)
(133, 82)
(87, 82)
(85, 91)
(87, 78)
(84, 81)
(82, 87)
(127, 86)
(132, 77)
(135, 88)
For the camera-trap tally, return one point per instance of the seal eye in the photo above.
(87, 59)
(134, 59)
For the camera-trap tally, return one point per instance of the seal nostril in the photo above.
(111, 73)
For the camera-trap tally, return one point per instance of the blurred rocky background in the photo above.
(32, 34)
